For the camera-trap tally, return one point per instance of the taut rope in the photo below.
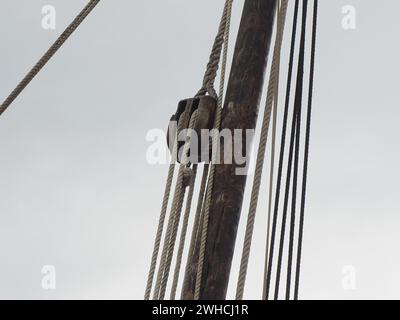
(48, 55)
(224, 29)
(272, 89)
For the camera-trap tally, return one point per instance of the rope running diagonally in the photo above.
(272, 87)
(217, 124)
(48, 55)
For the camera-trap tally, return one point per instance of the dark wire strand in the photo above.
(307, 149)
(282, 150)
(285, 204)
(298, 106)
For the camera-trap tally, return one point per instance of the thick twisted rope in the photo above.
(217, 123)
(160, 228)
(215, 57)
(208, 87)
(271, 171)
(196, 226)
(272, 87)
(176, 209)
(182, 240)
(48, 55)
(164, 207)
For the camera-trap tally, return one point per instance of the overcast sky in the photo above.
(78, 194)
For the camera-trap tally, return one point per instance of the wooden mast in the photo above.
(240, 112)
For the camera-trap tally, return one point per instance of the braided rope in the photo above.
(183, 234)
(177, 210)
(271, 170)
(164, 207)
(215, 57)
(160, 228)
(217, 124)
(176, 215)
(183, 119)
(48, 55)
(272, 87)
(196, 226)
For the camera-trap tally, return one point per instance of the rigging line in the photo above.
(215, 135)
(215, 57)
(183, 234)
(271, 173)
(163, 213)
(282, 151)
(272, 88)
(170, 226)
(285, 204)
(48, 55)
(298, 105)
(307, 148)
(176, 210)
(195, 230)
(160, 228)
(171, 242)
(184, 118)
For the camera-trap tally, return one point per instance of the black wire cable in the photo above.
(282, 151)
(285, 204)
(307, 149)
(298, 106)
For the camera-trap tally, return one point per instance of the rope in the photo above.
(298, 106)
(164, 207)
(215, 57)
(196, 226)
(272, 87)
(208, 81)
(176, 214)
(176, 210)
(48, 55)
(204, 228)
(272, 167)
(183, 235)
(282, 150)
(160, 228)
(307, 148)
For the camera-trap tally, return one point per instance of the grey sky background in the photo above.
(77, 192)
